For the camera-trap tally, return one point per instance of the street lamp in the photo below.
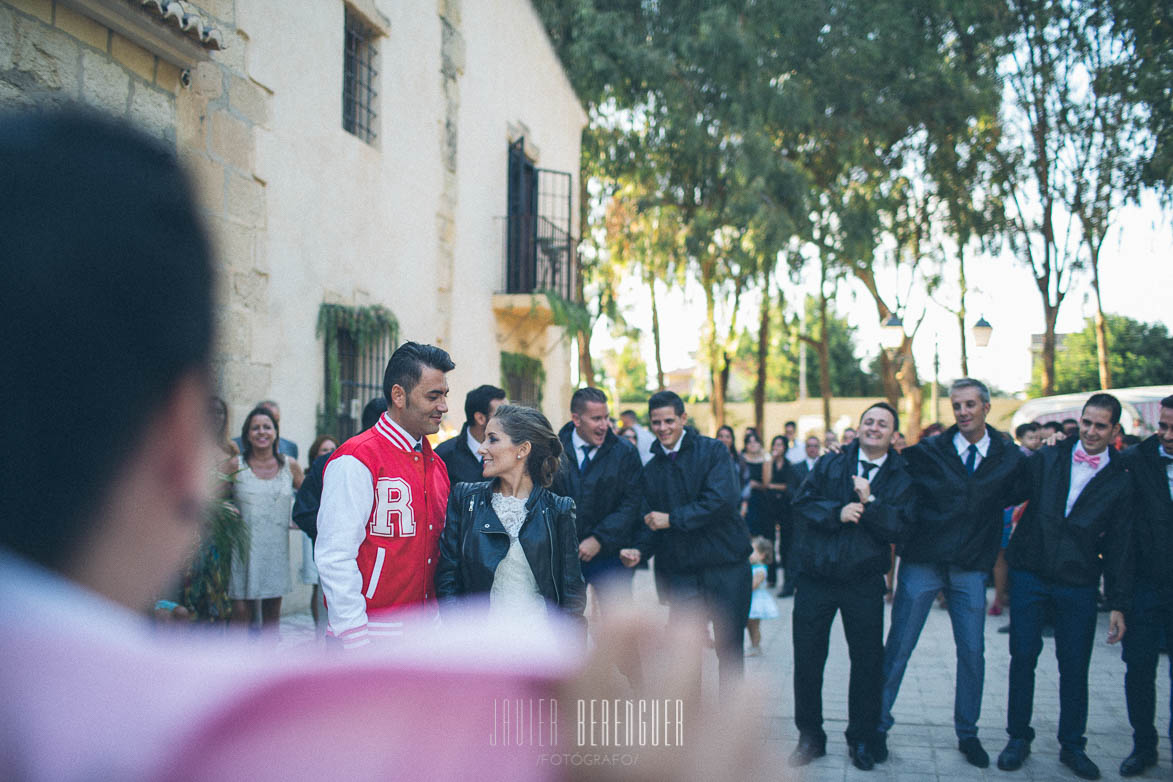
(892, 332)
(981, 332)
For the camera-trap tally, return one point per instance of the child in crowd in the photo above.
(762, 605)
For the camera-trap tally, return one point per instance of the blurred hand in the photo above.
(863, 488)
(1116, 627)
(722, 741)
(630, 557)
(851, 513)
(588, 548)
(656, 520)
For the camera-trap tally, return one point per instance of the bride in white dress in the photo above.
(509, 536)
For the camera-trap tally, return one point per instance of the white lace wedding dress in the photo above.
(515, 591)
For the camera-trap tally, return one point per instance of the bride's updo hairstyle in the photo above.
(527, 425)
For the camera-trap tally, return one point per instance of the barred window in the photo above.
(358, 78)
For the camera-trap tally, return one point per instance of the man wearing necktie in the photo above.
(1150, 615)
(1079, 509)
(964, 477)
(851, 508)
(600, 471)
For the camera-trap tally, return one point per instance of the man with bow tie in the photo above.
(1150, 614)
(852, 507)
(1080, 507)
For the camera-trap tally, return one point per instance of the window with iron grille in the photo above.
(360, 376)
(523, 377)
(358, 78)
(539, 250)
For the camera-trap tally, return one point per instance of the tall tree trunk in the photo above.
(586, 368)
(824, 359)
(914, 395)
(759, 391)
(961, 311)
(888, 379)
(1050, 315)
(1101, 325)
(717, 396)
(656, 337)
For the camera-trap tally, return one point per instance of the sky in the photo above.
(1136, 277)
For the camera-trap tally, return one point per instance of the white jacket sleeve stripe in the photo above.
(348, 495)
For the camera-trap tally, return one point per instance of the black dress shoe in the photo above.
(879, 747)
(974, 754)
(1013, 756)
(1078, 761)
(807, 750)
(1137, 762)
(861, 757)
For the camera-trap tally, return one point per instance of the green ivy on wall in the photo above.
(523, 377)
(366, 326)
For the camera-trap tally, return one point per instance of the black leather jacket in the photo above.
(474, 542)
(1096, 537)
(958, 515)
(838, 551)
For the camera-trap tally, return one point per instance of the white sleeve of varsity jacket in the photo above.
(347, 498)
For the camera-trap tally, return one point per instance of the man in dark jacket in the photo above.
(1150, 615)
(1079, 507)
(849, 511)
(601, 472)
(460, 452)
(700, 541)
(964, 478)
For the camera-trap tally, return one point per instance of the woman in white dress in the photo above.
(262, 488)
(509, 536)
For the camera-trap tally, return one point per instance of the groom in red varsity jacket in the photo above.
(383, 502)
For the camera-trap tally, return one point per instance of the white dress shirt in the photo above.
(578, 443)
(675, 448)
(962, 446)
(879, 462)
(1081, 475)
(473, 443)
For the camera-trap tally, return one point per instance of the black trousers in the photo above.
(861, 604)
(721, 594)
(1149, 622)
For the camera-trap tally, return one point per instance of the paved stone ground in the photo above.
(923, 745)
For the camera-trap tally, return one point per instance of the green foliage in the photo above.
(205, 585)
(1140, 354)
(627, 368)
(366, 326)
(523, 377)
(848, 377)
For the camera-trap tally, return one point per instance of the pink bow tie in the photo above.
(1088, 459)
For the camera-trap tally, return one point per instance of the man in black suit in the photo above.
(601, 472)
(1079, 509)
(1150, 615)
(460, 452)
(701, 544)
(852, 507)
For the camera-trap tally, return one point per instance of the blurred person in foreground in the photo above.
(108, 274)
